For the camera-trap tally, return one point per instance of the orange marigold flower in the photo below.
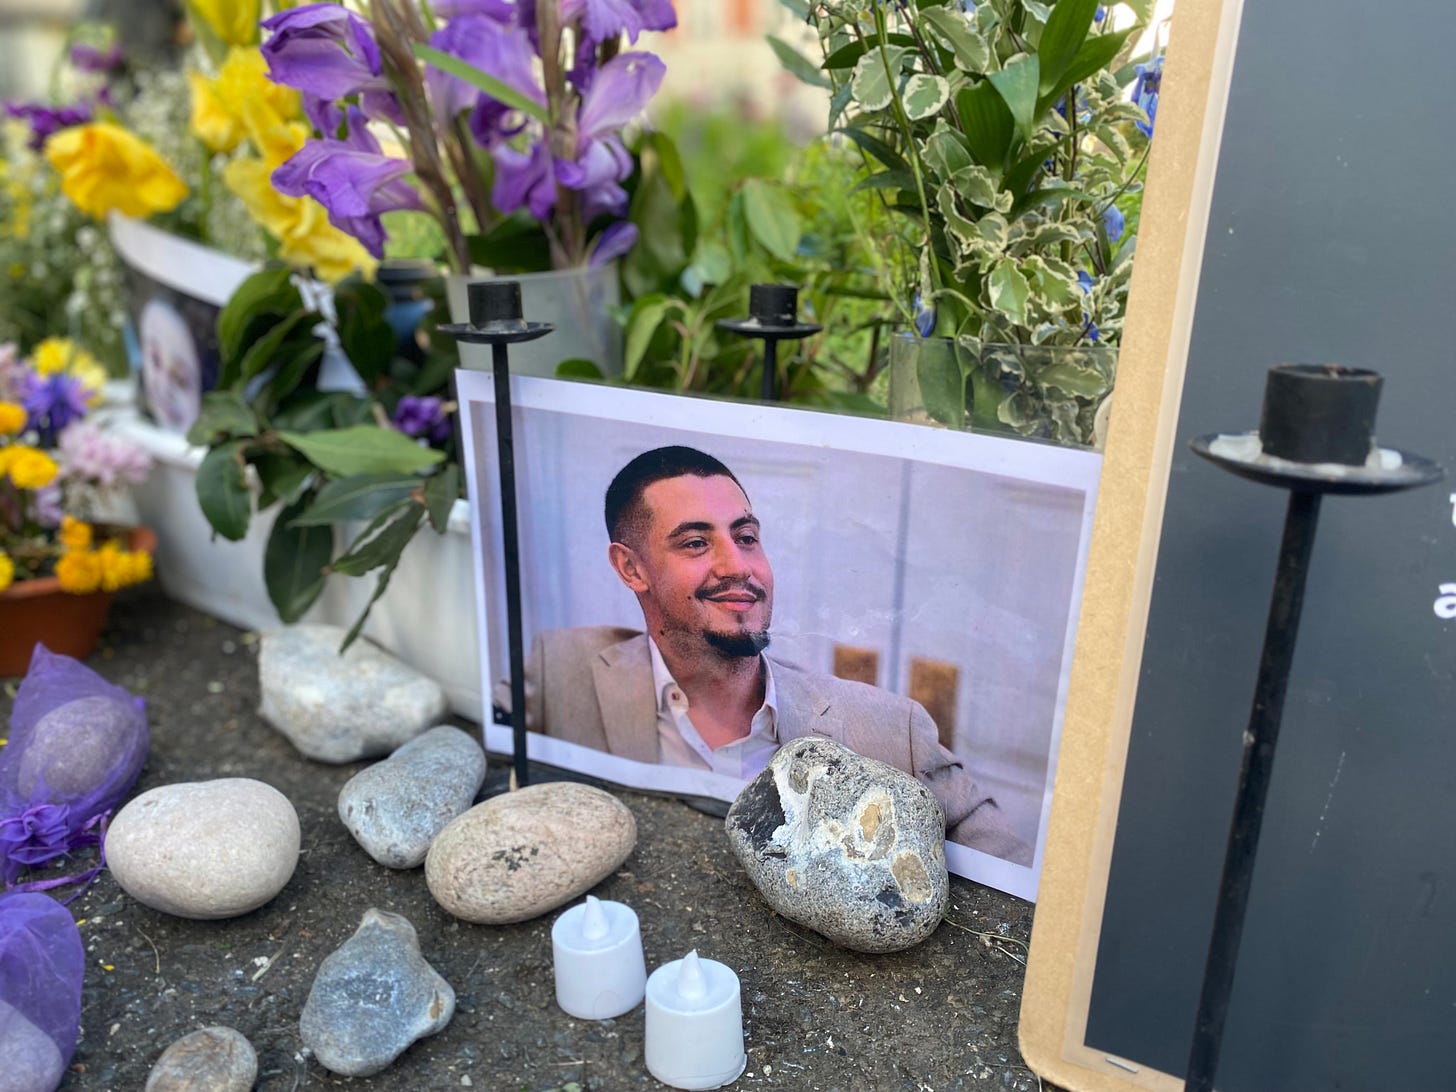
(30, 468)
(75, 534)
(12, 418)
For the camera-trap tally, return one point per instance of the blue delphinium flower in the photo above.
(1084, 279)
(924, 316)
(1114, 222)
(1145, 92)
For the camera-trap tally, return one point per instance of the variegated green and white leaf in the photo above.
(1055, 290)
(1008, 291)
(1038, 11)
(925, 95)
(968, 240)
(994, 229)
(945, 152)
(1046, 236)
(1078, 378)
(872, 75)
(954, 30)
(977, 186)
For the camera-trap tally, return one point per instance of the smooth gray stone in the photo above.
(29, 1060)
(342, 708)
(850, 847)
(395, 808)
(215, 1059)
(79, 745)
(373, 997)
(205, 849)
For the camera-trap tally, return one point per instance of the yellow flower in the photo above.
(7, 570)
(12, 418)
(104, 167)
(30, 468)
(235, 22)
(79, 572)
(218, 105)
(75, 534)
(300, 224)
(61, 354)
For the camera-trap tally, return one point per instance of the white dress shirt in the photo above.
(679, 744)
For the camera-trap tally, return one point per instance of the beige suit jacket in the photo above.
(593, 686)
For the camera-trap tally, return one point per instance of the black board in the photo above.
(1329, 238)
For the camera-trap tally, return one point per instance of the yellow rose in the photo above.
(7, 570)
(79, 572)
(104, 167)
(218, 105)
(12, 418)
(211, 121)
(235, 22)
(300, 224)
(74, 534)
(30, 468)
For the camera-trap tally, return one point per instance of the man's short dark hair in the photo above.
(625, 512)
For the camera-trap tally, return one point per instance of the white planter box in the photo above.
(426, 618)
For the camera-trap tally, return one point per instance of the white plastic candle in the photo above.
(597, 950)
(694, 1034)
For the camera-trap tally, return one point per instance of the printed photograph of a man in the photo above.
(697, 688)
(703, 582)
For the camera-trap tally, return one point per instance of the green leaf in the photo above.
(482, 81)
(359, 496)
(577, 368)
(847, 56)
(274, 344)
(972, 53)
(925, 95)
(873, 74)
(647, 315)
(988, 125)
(283, 477)
(384, 547)
(294, 562)
(945, 152)
(1017, 86)
(441, 493)
(292, 371)
(1066, 30)
(886, 180)
(976, 184)
(1097, 53)
(771, 217)
(796, 64)
(513, 244)
(1076, 379)
(1008, 291)
(224, 415)
(798, 8)
(222, 490)
(942, 384)
(313, 410)
(362, 449)
(877, 148)
(666, 216)
(365, 336)
(269, 290)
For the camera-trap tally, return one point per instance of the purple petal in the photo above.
(618, 94)
(656, 14)
(524, 178)
(502, 11)
(500, 51)
(617, 240)
(324, 50)
(325, 114)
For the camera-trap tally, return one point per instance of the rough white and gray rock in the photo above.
(850, 847)
(523, 854)
(342, 708)
(31, 1060)
(373, 997)
(395, 808)
(78, 745)
(215, 1059)
(205, 849)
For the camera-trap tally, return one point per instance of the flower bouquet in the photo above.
(58, 566)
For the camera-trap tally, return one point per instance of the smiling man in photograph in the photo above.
(696, 689)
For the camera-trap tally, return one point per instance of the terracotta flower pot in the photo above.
(36, 612)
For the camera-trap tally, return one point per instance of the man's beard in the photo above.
(737, 645)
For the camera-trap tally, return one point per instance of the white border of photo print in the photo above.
(911, 541)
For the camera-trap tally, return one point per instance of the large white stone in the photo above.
(523, 854)
(850, 847)
(395, 808)
(205, 849)
(342, 708)
(373, 997)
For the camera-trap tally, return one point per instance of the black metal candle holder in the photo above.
(1316, 437)
(773, 316)
(496, 320)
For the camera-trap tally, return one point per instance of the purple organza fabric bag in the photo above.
(42, 963)
(77, 744)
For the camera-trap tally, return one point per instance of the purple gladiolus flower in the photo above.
(612, 243)
(606, 19)
(1145, 91)
(90, 59)
(352, 179)
(619, 93)
(45, 121)
(323, 50)
(502, 11)
(423, 417)
(524, 178)
(504, 52)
